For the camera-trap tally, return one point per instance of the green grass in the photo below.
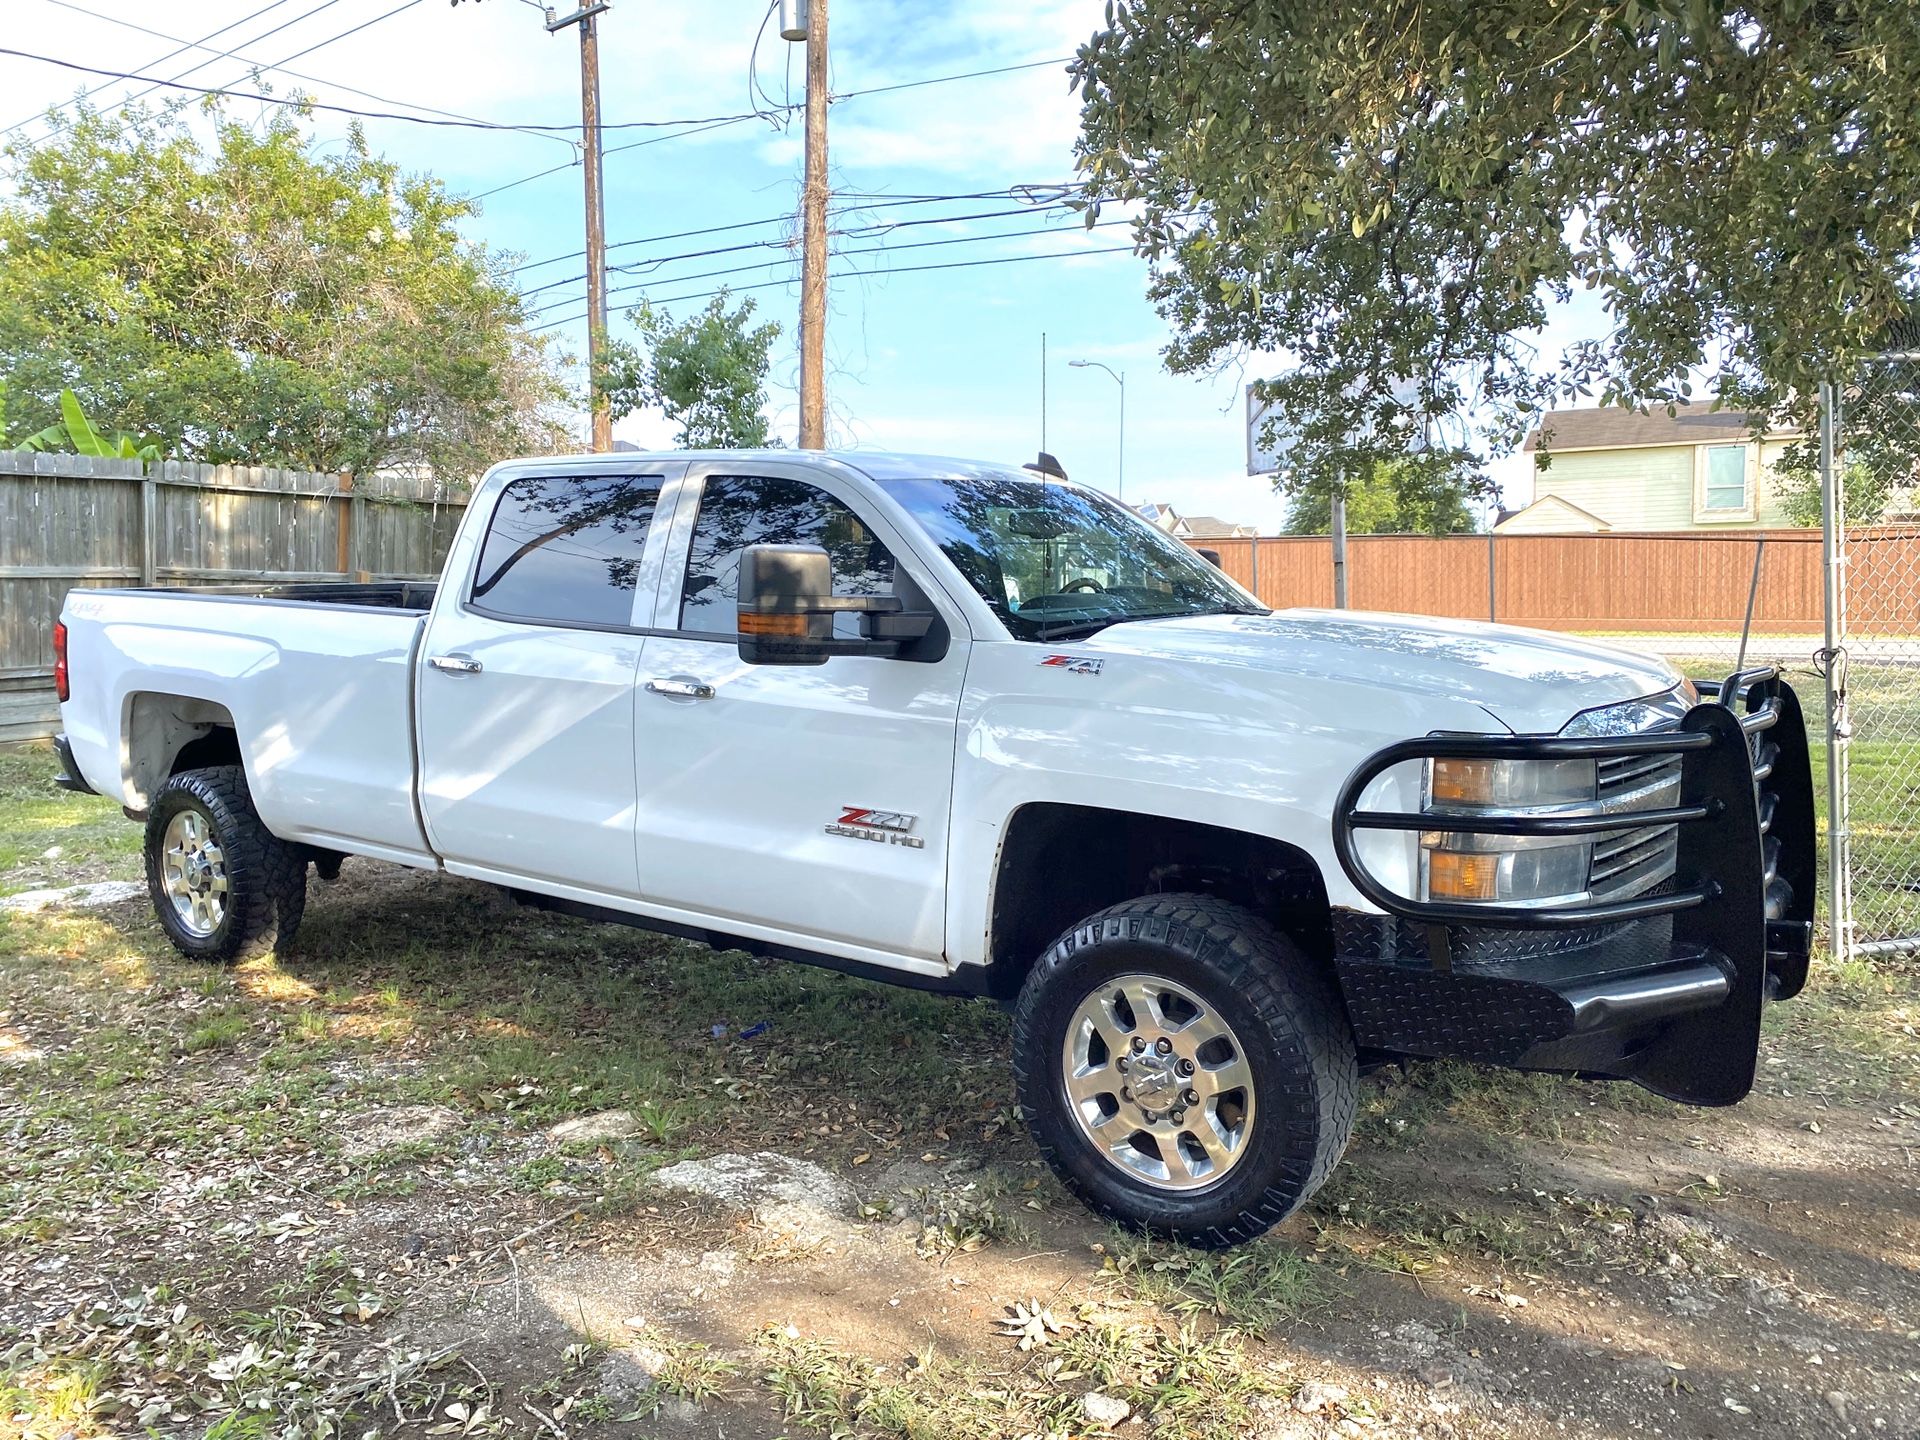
(95, 840)
(1253, 1286)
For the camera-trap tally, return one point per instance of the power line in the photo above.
(720, 121)
(259, 65)
(945, 79)
(838, 254)
(307, 103)
(127, 100)
(863, 274)
(883, 227)
(880, 201)
(181, 50)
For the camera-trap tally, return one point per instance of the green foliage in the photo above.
(74, 431)
(1404, 496)
(247, 299)
(1391, 193)
(1868, 490)
(708, 373)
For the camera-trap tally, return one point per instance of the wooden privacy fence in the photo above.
(69, 520)
(1681, 582)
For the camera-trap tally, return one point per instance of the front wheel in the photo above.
(223, 885)
(1185, 1068)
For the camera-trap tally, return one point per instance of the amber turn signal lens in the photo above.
(1463, 782)
(1456, 875)
(791, 626)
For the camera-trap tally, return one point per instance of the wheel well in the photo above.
(1060, 863)
(170, 733)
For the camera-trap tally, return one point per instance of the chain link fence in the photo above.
(1870, 464)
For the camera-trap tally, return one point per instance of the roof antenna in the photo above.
(1046, 465)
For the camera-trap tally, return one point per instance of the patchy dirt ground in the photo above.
(456, 1168)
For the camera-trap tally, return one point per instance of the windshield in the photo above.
(1052, 560)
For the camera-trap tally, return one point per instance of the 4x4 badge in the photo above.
(883, 827)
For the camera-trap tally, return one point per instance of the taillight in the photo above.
(60, 685)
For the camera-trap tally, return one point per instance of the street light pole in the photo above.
(1120, 378)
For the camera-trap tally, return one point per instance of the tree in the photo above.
(708, 373)
(1397, 497)
(249, 300)
(1392, 191)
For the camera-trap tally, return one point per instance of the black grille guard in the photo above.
(1741, 898)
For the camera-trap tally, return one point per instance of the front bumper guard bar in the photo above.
(1686, 1022)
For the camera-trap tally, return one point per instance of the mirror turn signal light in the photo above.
(792, 626)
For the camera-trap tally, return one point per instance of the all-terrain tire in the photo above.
(1284, 1010)
(266, 877)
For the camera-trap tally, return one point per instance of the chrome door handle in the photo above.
(690, 689)
(455, 664)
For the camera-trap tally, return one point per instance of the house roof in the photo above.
(1211, 527)
(1574, 516)
(1608, 427)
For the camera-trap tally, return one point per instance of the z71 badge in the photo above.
(883, 827)
(1073, 664)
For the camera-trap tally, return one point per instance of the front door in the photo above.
(805, 799)
(526, 686)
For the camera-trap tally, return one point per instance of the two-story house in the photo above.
(1612, 469)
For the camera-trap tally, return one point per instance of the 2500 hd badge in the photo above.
(883, 827)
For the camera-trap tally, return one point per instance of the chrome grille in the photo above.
(1627, 862)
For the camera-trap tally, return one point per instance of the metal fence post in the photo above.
(1340, 549)
(1833, 535)
(1255, 552)
(149, 504)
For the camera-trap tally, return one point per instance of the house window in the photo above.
(1725, 490)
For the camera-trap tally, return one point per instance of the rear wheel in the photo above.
(1185, 1068)
(222, 884)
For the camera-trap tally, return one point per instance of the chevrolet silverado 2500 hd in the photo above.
(955, 726)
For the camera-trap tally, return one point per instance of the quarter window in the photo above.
(565, 549)
(739, 510)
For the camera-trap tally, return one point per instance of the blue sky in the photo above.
(947, 361)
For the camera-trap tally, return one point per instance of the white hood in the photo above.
(1531, 681)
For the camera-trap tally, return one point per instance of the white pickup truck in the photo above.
(958, 726)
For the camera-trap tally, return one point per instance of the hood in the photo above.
(1531, 681)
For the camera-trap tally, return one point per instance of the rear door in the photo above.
(811, 800)
(525, 707)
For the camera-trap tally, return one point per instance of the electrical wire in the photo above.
(876, 272)
(651, 263)
(183, 48)
(790, 107)
(306, 103)
(882, 201)
(785, 259)
(259, 65)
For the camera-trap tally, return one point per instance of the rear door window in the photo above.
(565, 549)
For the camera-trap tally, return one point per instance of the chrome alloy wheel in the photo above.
(1158, 1082)
(193, 873)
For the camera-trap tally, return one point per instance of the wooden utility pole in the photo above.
(813, 235)
(596, 212)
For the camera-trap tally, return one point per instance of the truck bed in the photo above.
(315, 680)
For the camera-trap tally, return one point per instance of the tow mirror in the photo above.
(787, 607)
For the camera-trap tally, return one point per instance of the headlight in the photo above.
(1509, 869)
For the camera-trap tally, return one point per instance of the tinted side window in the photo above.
(737, 511)
(566, 548)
